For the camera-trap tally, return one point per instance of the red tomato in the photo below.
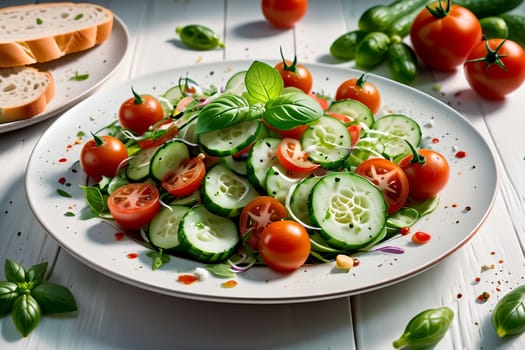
(291, 156)
(295, 75)
(284, 245)
(161, 133)
(284, 13)
(258, 214)
(187, 178)
(360, 90)
(138, 113)
(427, 174)
(101, 156)
(323, 101)
(294, 133)
(134, 205)
(443, 40)
(389, 178)
(495, 67)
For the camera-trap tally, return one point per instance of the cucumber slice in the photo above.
(226, 193)
(163, 231)
(262, 157)
(350, 211)
(174, 94)
(327, 142)
(207, 237)
(299, 199)
(395, 129)
(188, 201)
(236, 84)
(278, 183)
(356, 110)
(230, 140)
(137, 169)
(166, 158)
(237, 166)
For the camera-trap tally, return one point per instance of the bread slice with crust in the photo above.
(44, 32)
(24, 92)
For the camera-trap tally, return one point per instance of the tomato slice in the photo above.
(165, 131)
(134, 205)
(291, 156)
(389, 178)
(187, 178)
(257, 214)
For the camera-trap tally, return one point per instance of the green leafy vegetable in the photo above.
(426, 328)
(508, 316)
(158, 259)
(95, 199)
(26, 295)
(263, 82)
(226, 110)
(79, 77)
(292, 109)
(221, 270)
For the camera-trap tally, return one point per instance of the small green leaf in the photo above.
(221, 270)
(79, 77)
(36, 272)
(263, 82)
(39, 21)
(54, 298)
(95, 199)
(63, 193)
(14, 272)
(292, 109)
(158, 259)
(8, 295)
(226, 110)
(508, 316)
(26, 314)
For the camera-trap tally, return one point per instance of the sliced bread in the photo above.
(44, 32)
(24, 92)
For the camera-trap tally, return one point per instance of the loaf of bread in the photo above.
(24, 92)
(44, 32)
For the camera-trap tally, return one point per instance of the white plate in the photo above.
(99, 62)
(464, 203)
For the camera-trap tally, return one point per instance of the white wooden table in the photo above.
(116, 315)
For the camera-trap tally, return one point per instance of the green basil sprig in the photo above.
(508, 316)
(265, 97)
(26, 295)
(426, 328)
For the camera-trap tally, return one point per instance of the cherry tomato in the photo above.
(389, 178)
(284, 13)
(187, 178)
(284, 245)
(295, 75)
(291, 156)
(323, 101)
(442, 37)
(294, 133)
(140, 112)
(495, 67)
(257, 214)
(134, 205)
(427, 173)
(162, 132)
(102, 155)
(360, 90)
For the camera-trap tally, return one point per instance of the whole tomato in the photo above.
(443, 37)
(295, 74)
(102, 155)
(427, 171)
(360, 90)
(140, 112)
(495, 67)
(284, 13)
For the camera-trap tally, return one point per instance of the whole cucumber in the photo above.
(516, 26)
(494, 27)
(372, 50)
(401, 61)
(375, 19)
(486, 8)
(345, 47)
(401, 26)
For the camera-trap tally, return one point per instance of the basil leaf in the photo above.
(36, 272)
(292, 109)
(158, 259)
(95, 199)
(221, 270)
(54, 298)
(263, 82)
(226, 110)
(14, 272)
(508, 316)
(8, 295)
(26, 314)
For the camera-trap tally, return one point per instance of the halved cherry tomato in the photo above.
(389, 178)
(134, 205)
(360, 90)
(294, 133)
(353, 129)
(284, 13)
(323, 101)
(427, 173)
(101, 156)
(295, 74)
(257, 214)
(187, 178)
(292, 157)
(164, 131)
(140, 112)
(284, 245)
